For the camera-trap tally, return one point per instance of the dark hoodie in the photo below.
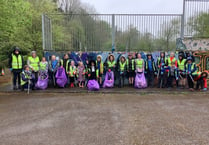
(10, 58)
(147, 64)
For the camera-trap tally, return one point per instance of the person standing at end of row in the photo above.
(16, 64)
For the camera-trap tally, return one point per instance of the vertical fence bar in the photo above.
(113, 33)
(43, 32)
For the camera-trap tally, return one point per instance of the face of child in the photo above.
(111, 58)
(139, 56)
(189, 61)
(130, 56)
(204, 75)
(81, 63)
(149, 57)
(72, 63)
(43, 59)
(98, 59)
(66, 56)
(92, 63)
(27, 69)
(180, 57)
(123, 59)
(162, 55)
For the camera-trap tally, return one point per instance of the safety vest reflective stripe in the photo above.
(16, 62)
(181, 64)
(169, 61)
(122, 66)
(72, 71)
(26, 76)
(132, 64)
(111, 64)
(34, 62)
(192, 67)
(101, 67)
(139, 63)
(43, 66)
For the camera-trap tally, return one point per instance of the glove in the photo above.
(11, 69)
(177, 78)
(121, 72)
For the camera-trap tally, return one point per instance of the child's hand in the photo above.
(89, 75)
(74, 73)
(84, 73)
(109, 70)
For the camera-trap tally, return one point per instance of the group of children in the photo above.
(141, 73)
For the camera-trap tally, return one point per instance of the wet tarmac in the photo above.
(104, 119)
(109, 117)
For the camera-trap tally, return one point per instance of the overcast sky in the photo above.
(137, 6)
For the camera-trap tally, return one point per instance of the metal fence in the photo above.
(122, 32)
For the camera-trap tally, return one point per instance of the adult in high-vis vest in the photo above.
(130, 64)
(122, 71)
(150, 70)
(181, 67)
(27, 78)
(33, 63)
(16, 64)
(64, 62)
(191, 72)
(100, 69)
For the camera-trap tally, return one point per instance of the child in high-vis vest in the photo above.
(43, 66)
(122, 71)
(181, 67)
(130, 64)
(191, 72)
(81, 75)
(161, 76)
(100, 69)
(27, 78)
(109, 77)
(140, 80)
(72, 71)
(173, 74)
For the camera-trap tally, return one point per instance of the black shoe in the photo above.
(22, 89)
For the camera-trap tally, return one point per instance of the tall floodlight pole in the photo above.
(113, 33)
(183, 20)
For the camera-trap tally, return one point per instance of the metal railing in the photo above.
(123, 32)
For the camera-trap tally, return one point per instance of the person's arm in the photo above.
(22, 62)
(24, 78)
(195, 68)
(28, 63)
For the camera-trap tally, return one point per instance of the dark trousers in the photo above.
(36, 76)
(190, 82)
(16, 77)
(200, 83)
(32, 84)
(150, 78)
(162, 80)
(170, 81)
(52, 77)
(121, 80)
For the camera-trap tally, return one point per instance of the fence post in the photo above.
(113, 33)
(43, 32)
(183, 20)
